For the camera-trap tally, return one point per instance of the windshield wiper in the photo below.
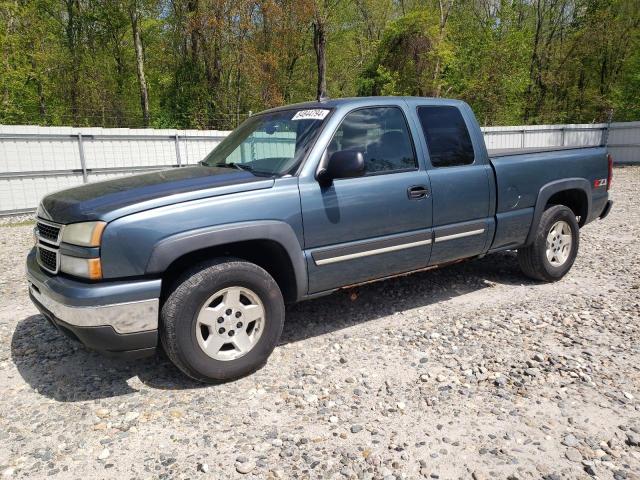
(239, 166)
(245, 167)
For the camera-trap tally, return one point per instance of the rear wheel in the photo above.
(554, 247)
(222, 320)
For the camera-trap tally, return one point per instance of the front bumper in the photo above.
(111, 317)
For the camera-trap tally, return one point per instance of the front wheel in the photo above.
(222, 320)
(554, 247)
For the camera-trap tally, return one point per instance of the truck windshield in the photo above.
(270, 144)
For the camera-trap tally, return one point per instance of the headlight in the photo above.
(90, 268)
(86, 234)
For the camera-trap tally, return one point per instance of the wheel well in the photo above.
(267, 254)
(575, 199)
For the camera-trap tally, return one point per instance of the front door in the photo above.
(359, 229)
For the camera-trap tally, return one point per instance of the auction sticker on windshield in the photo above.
(314, 114)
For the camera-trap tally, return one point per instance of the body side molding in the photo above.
(359, 249)
(453, 236)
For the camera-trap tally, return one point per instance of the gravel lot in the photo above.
(471, 371)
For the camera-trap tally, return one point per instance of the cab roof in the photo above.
(363, 101)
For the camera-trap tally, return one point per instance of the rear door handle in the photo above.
(417, 192)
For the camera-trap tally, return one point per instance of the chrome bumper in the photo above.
(127, 317)
(125, 306)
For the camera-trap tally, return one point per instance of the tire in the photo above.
(534, 261)
(184, 334)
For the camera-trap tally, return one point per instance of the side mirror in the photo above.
(342, 164)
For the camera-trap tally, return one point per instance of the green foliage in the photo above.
(626, 95)
(208, 63)
(517, 61)
(490, 64)
(409, 53)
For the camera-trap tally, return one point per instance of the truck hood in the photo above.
(111, 199)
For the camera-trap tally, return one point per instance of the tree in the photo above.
(134, 14)
(208, 63)
(409, 58)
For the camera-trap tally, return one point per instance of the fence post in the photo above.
(178, 150)
(604, 138)
(83, 162)
(562, 134)
(522, 139)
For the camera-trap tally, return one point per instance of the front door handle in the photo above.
(417, 192)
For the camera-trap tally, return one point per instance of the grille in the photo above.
(48, 238)
(48, 232)
(48, 259)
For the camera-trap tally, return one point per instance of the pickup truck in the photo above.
(298, 202)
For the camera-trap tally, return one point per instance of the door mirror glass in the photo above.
(343, 164)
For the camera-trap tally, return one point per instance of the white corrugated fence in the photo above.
(35, 161)
(622, 138)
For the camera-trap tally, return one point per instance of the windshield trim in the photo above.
(296, 169)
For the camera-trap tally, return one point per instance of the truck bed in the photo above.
(521, 174)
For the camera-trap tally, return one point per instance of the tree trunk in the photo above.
(320, 46)
(192, 8)
(119, 113)
(290, 70)
(142, 82)
(42, 105)
(72, 31)
(445, 9)
(534, 65)
(210, 47)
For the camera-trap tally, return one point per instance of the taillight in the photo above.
(610, 175)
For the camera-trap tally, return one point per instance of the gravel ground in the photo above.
(471, 371)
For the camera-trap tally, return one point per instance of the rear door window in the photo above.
(447, 136)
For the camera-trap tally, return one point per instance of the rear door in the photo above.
(460, 183)
(358, 229)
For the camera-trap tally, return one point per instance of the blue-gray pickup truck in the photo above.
(297, 202)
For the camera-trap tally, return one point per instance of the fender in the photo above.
(171, 248)
(550, 189)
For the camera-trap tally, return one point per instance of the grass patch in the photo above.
(22, 223)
